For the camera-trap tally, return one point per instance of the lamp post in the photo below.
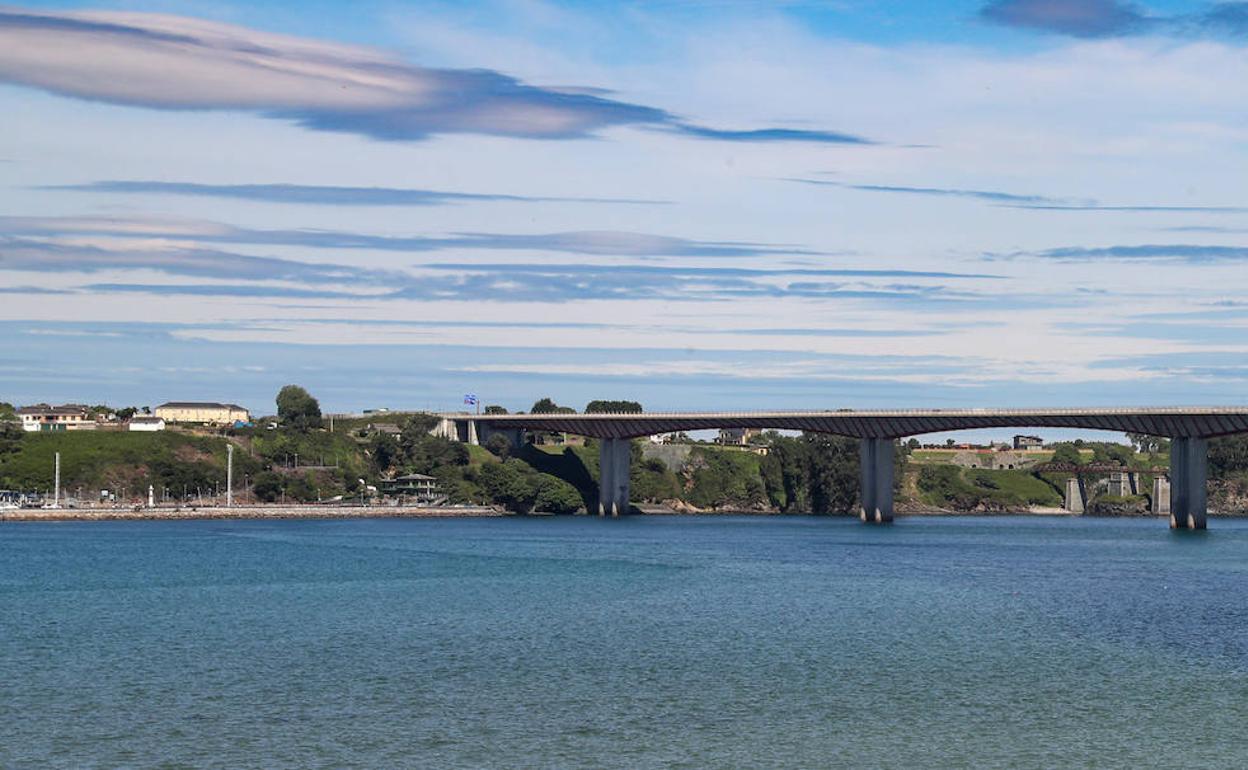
(229, 475)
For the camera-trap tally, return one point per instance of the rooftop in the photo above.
(199, 405)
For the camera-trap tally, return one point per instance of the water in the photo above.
(644, 642)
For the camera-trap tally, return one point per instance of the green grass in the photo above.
(479, 454)
(1019, 485)
(948, 486)
(103, 459)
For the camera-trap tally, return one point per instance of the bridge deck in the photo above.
(1204, 422)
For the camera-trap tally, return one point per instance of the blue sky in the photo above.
(696, 205)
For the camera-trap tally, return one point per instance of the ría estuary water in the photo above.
(638, 643)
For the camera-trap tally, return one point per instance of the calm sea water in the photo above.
(643, 642)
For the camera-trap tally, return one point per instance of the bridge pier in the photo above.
(1189, 471)
(876, 480)
(614, 455)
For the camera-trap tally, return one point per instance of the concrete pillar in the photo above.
(1189, 471)
(883, 480)
(1074, 495)
(866, 485)
(472, 433)
(1161, 495)
(876, 487)
(1119, 485)
(614, 455)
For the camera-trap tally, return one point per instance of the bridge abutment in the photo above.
(614, 455)
(1189, 472)
(876, 480)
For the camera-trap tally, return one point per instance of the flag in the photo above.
(470, 399)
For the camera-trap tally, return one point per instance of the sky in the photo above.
(695, 205)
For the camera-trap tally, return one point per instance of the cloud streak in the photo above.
(992, 196)
(178, 63)
(600, 243)
(1113, 18)
(43, 256)
(1186, 253)
(322, 195)
(1017, 200)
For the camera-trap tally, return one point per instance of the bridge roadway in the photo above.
(1189, 429)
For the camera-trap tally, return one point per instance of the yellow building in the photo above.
(202, 413)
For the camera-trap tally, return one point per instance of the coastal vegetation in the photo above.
(296, 456)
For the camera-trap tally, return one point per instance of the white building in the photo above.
(145, 424)
(42, 417)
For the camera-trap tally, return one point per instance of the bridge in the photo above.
(1188, 428)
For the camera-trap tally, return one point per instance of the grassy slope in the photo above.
(102, 459)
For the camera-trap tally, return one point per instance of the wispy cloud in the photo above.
(30, 290)
(1191, 254)
(242, 291)
(992, 196)
(1204, 229)
(1113, 18)
(178, 63)
(601, 243)
(328, 195)
(770, 135)
(44, 256)
(731, 272)
(1140, 209)
(1017, 200)
(253, 277)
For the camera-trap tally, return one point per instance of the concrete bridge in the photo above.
(1188, 428)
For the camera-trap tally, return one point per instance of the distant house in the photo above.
(417, 485)
(145, 424)
(42, 417)
(736, 436)
(1028, 442)
(202, 413)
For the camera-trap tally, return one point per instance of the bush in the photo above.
(498, 445)
(267, 487)
(554, 495)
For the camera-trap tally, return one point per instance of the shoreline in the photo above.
(250, 512)
(275, 512)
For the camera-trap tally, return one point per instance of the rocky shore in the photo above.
(247, 512)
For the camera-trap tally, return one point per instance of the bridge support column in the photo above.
(876, 486)
(614, 455)
(472, 433)
(1189, 471)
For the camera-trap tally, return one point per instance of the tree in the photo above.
(913, 444)
(385, 451)
(498, 445)
(11, 434)
(296, 408)
(1228, 456)
(834, 470)
(1118, 454)
(613, 407)
(509, 485)
(127, 412)
(1147, 444)
(554, 495)
(495, 409)
(418, 423)
(548, 406)
(1067, 454)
